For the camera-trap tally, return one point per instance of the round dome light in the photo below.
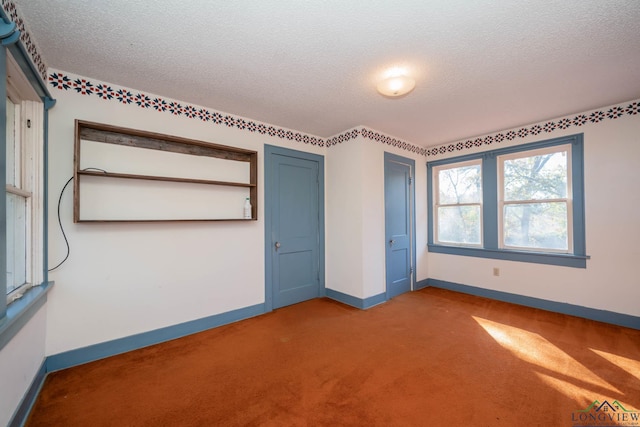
(395, 86)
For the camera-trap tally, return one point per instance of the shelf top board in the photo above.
(142, 139)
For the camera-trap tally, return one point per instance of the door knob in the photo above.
(277, 245)
(391, 242)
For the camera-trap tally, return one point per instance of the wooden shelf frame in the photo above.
(109, 134)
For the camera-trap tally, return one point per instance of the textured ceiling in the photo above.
(312, 66)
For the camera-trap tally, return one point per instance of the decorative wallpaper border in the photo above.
(37, 59)
(61, 81)
(82, 86)
(377, 137)
(597, 116)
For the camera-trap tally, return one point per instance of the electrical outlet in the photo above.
(496, 271)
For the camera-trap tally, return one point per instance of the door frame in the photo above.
(390, 157)
(268, 217)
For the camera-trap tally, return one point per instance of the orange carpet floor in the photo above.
(426, 358)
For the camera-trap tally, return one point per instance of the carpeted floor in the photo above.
(426, 358)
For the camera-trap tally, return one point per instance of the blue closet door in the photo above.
(294, 200)
(398, 203)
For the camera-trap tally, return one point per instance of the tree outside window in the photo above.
(534, 200)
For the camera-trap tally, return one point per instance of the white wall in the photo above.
(124, 279)
(356, 227)
(373, 224)
(611, 280)
(20, 361)
(344, 229)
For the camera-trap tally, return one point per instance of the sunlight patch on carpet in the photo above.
(579, 393)
(630, 365)
(537, 350)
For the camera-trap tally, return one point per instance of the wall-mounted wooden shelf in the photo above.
(128, 175)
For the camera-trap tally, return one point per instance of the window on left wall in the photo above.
(23, 186)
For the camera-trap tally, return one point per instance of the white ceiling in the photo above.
(312, 65)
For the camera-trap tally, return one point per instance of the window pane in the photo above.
(16, 241)
(460, 185)
(459, 224)
(537, 177)
(536, 225)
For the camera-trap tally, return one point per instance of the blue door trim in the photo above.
(412, 194)
(268, 179)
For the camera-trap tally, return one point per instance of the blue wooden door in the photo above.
(294, 240)
(398, 204)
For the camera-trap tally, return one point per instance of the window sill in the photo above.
(566, 260)
(20, 311)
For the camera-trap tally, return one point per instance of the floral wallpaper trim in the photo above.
(597, 116)
(86, 87)
(61, 81)
(375, 136)
(10, 9)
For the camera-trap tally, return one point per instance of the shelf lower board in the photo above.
(165, 220)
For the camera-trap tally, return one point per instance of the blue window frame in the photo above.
(15, 315)
(497, 206)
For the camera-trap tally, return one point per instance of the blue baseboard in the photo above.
(134, 342)
(558, 307)
(420, 284)
(356, 302)
(29, 398)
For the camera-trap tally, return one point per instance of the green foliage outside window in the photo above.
(535, 192)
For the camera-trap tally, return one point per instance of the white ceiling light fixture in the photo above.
(396, 83)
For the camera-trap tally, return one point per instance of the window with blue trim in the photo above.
(522, 203)
(23, 182)
(23, 133)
